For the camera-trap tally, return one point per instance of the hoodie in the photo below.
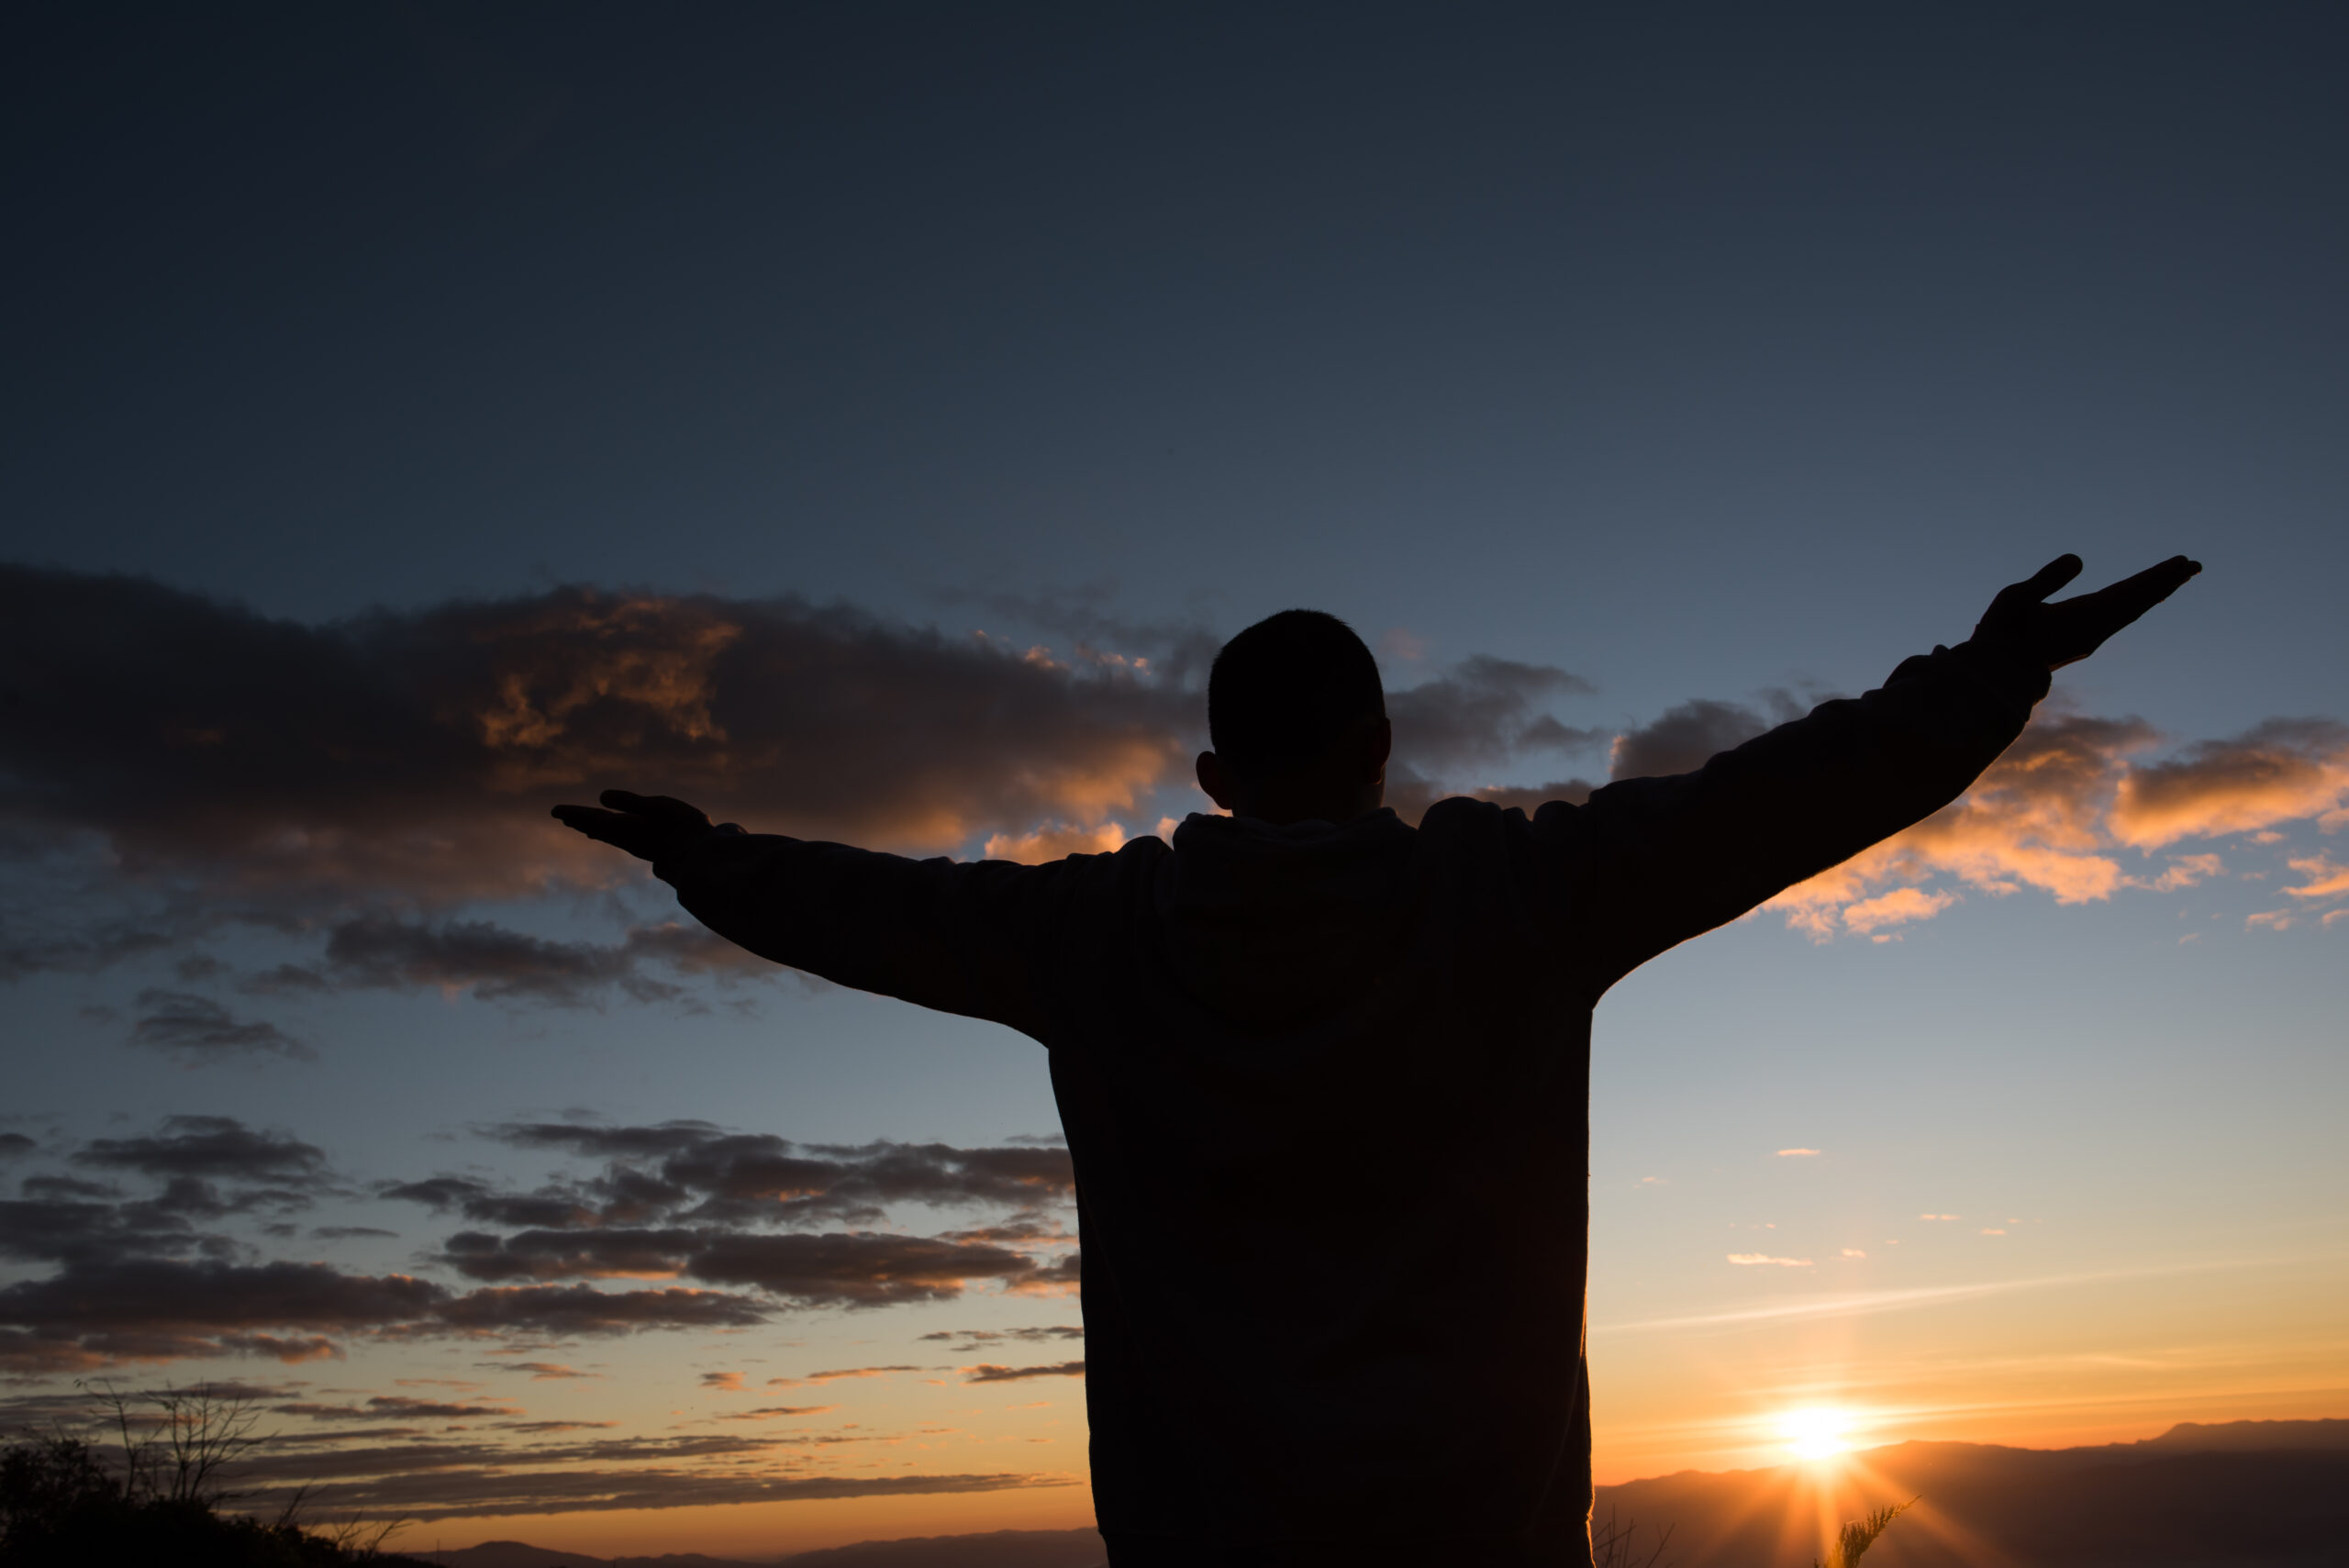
(1326, 1091)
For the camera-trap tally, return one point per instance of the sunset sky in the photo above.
(866, 421)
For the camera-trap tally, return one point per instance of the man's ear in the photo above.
(1380, 748)
(1216, 779)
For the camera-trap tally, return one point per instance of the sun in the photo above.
(1816, 1433)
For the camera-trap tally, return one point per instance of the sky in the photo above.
(866, 421)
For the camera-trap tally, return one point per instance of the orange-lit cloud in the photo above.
(416, 754)
(541, 1372)
(2328, 878)
(988, 1372)
(1754, 1259)
(836, 1374)
(2060, 810)
(2284, 771)
(1895, 907)
(1055, 842)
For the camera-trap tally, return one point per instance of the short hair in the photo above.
(1282, 694)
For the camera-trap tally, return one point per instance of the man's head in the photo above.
(1299, 721)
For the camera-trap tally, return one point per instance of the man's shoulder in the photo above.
(1502, 811)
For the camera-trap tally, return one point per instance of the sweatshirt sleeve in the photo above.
(959, 937)
(1653, 862)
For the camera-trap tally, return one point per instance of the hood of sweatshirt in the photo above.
(1274, 924)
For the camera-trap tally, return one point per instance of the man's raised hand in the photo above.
(2070, 630)
(650, 827)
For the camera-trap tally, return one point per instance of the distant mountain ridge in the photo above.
(995, 1549)
(519, 1555)
(2236, 1495)
(2230, 1494)
(2263, 1436)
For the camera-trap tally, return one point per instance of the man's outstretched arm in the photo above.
(1659, 860)
(959, 937)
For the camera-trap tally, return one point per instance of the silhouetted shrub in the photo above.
(64, 1503)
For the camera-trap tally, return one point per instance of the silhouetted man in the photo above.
(1325, 1075)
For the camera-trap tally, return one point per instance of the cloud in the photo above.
(16, 1145)
(694, 1170)
(538, 1426)
(393, 1406)
(722, 1381)
(1894, 908)
(837, 1374)
(475, 954)
(479, 1201)
(1481, 715)
(1796, 1153)
(499, 1485)
(2328, 878)
(140, 1278)
(1400, 642)
(581, 1309)
(494, 962)
(985, 1372)
(1751, 1259)
(2183, 871)
(541, 1372)
(777, 1412)
(60, 934)
(415, 753)
(601, 1142)
(968, 1339)
(200, 1031)
(1181, 649)
(218, 1147)
(689, 1200)
(1681, 740)
(39, 1229)
(855, 1270)
(1055, 841)
(101, 1313)
(2283, 771)
(157, 1309)
(2056, 811)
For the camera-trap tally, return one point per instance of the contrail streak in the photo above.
(1855, 1302)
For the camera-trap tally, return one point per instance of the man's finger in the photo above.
(2155, 583)
(607, 826)
(2048, 578)
(660, 807)
(2132, 596)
